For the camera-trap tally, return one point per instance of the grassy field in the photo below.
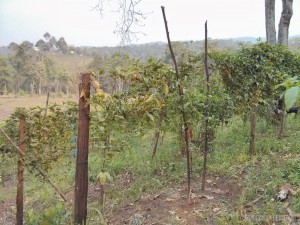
(9, 103)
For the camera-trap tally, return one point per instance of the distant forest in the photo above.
(51, 65)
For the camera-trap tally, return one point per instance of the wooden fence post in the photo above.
(19, 198)
(206, 113)
(81, 176)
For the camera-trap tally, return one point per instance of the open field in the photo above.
(9, 103)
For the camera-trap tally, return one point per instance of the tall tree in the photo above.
(52, 41)
(47, 36)
(286, 15)
(62, 45)
(42, 45)
(270, 21)
(6, 75)
(283, 29)
(283, 35)
(23, 56)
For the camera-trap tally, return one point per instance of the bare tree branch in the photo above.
(130, 17)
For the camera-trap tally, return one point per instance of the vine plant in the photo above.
(251, 75)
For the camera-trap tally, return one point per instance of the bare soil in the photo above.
(170, 205)
(167, 206)
(8, 202)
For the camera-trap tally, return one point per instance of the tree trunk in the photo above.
(286, 15)
(252, 148)
(5, 89)
(270, 21)
(32, 88)
(40, 87)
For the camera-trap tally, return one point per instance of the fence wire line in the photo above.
(40, 171)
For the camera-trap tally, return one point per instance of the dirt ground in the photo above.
(167, 206)
(8, 202)
(170, 205)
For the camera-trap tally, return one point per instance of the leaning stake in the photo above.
(180, 93)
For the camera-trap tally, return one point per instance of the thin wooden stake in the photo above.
(81, 176)
(207, 113)
(19, 198)
(180, 93)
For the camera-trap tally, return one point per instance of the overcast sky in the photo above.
(81, 26)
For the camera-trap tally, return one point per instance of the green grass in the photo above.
(277, 162)
(147, 174)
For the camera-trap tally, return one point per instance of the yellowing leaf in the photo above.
(149, 99)
(103, 177)
(132, 100)
(166, 88)
(83, 94)
(97, 84)
(100, 94)
(108, 97)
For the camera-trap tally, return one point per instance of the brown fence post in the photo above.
(19, 198)
(81, 176)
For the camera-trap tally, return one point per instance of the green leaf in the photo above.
(103, 177)
(291, 96)
(50, 213)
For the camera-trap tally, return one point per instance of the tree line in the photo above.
(40, 68)
(52, 65)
